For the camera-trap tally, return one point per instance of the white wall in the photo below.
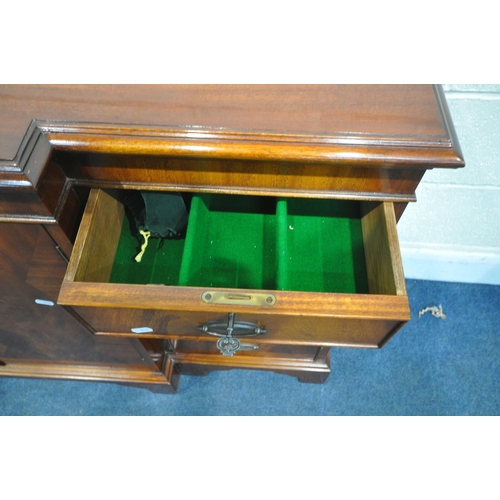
(452, 233)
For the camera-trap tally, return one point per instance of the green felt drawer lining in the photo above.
(254, 242)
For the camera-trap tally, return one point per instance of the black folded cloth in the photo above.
(162, 214)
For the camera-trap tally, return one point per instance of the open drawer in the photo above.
(306, 271)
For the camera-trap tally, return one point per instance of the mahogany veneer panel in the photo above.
(386, 112)
(43, 340)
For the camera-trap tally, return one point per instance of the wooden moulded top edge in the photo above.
(368, 124)
(365, 151)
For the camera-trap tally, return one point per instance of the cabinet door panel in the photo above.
(38, 337)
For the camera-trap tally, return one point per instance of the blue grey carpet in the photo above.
(432, 366)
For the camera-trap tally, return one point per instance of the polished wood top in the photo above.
(386, 124)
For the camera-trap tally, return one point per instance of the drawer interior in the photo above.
(247, 242)
(254, 242)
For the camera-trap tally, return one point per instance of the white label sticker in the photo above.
(44, 302)
(142, 329)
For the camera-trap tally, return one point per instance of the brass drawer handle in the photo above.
(233, 298)
(228, 344)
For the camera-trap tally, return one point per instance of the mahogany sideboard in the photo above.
(292, 194)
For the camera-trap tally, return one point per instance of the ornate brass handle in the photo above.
(229, 344)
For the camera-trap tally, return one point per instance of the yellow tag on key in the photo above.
(146, 235)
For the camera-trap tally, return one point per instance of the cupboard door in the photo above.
(39, 338)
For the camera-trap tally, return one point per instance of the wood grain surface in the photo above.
(295, 122)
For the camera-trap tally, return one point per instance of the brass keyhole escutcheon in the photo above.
(229, 344)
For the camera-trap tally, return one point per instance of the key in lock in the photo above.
(229, 344)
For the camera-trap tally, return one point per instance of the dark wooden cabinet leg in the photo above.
(157, 356)
(322, 358)
(313, 377)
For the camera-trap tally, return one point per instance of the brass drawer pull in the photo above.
(232, 298)
(228, 344)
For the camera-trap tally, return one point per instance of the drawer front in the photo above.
(349, 294)
(250, 348)
(299, 361)
(298, 330)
